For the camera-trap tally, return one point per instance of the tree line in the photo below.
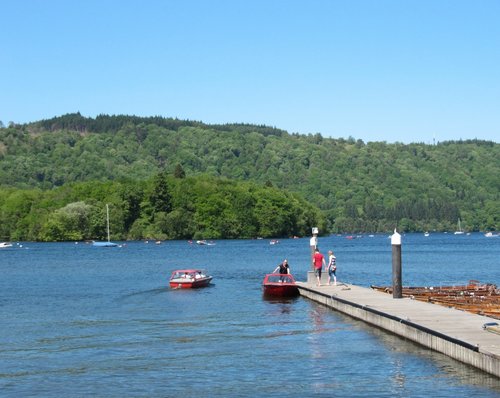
(358, 186)
(163, 207)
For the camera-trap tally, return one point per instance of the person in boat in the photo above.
(282, 268)
(318, 263)
(332, 267)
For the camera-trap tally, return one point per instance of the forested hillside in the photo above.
(358, 186)
(162, 207)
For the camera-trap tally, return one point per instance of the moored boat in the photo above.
(492, 327)
(205, 243)
(475, 297)
(104, 244)
(460, 231)
(107, 243)
(279, 285)
(189, 278)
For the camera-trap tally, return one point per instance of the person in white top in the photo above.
(313, 244)
(332, 267)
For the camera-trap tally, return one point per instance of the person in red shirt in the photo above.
(318, 263)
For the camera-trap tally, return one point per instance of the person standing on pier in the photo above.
(318, 264)
(332, 268)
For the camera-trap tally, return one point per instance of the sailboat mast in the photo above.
(108, 243)
(107, 219)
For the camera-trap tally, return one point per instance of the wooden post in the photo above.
(397, 286)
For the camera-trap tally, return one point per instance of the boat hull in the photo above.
(279, 285)
(189, 279)
(104, 244)
(180, 284)
(285, 290)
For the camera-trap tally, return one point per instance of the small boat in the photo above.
(104, 244)
(280, 285)
(274, 242)
(426, 234)
(205, 243)
(475, 297)
(460, 230)
(492, 327)
(189, 278)
(108, 243)
(4, 245)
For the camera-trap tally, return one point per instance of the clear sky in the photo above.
(376, 70)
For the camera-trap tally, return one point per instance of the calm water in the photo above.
(79, 321)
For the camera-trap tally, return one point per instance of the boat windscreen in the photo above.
(278, 278)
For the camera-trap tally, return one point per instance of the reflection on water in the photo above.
(401, 351)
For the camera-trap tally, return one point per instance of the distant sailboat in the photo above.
(108, 243)
(460, 231)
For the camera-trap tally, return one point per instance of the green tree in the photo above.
(179, 171)
(70, 223)
(160, 197)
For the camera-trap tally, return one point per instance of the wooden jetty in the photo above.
(466, 337)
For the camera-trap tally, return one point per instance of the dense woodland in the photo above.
(232, 181)
(163, 207)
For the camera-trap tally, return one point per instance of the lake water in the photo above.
(84, 321)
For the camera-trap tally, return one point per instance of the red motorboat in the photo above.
(189, 278)
(280, 285)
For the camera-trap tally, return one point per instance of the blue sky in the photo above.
(376, 70)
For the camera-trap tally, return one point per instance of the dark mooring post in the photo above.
(397, 287)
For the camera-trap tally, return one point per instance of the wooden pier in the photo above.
(458, 334)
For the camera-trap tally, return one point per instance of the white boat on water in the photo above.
(205, 243)
(4, 245)
(460, 231)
